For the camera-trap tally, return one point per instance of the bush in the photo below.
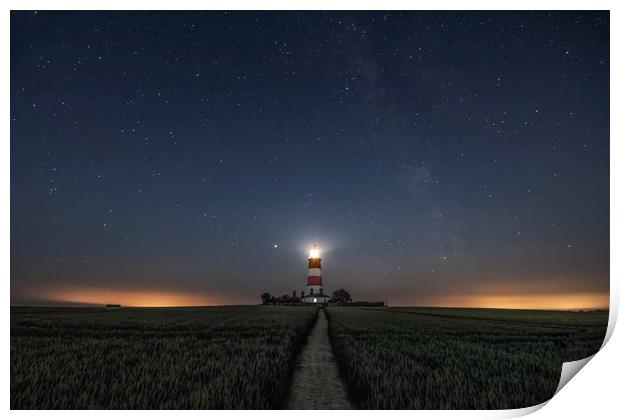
(361, 303)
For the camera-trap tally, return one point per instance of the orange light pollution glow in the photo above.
(132, 298)
(543, 301)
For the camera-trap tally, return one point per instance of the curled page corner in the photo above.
(570, 369)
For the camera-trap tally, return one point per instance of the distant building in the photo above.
(113, 306)
(315, 280)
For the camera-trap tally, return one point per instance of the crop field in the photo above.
(182, 358)
(243, 357)
(432, 358)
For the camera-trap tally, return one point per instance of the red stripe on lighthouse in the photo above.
(315, 281)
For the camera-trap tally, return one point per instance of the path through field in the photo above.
(316, 382)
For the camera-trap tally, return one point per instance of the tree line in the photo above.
(340, 296)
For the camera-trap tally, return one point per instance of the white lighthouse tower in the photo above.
(314, 286)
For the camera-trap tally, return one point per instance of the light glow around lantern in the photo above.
(314, 252)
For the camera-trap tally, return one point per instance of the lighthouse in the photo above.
(314, 285)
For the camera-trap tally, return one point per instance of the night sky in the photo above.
(185, 158)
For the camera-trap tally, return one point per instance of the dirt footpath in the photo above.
(316, 382)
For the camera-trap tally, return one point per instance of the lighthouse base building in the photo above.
(314, 289)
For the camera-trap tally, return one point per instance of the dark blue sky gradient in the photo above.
(429, 154)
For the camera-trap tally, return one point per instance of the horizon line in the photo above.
(79, 305)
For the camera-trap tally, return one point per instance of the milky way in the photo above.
(435, 157)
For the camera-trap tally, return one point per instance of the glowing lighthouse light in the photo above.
(314, 285)
(314, 252)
